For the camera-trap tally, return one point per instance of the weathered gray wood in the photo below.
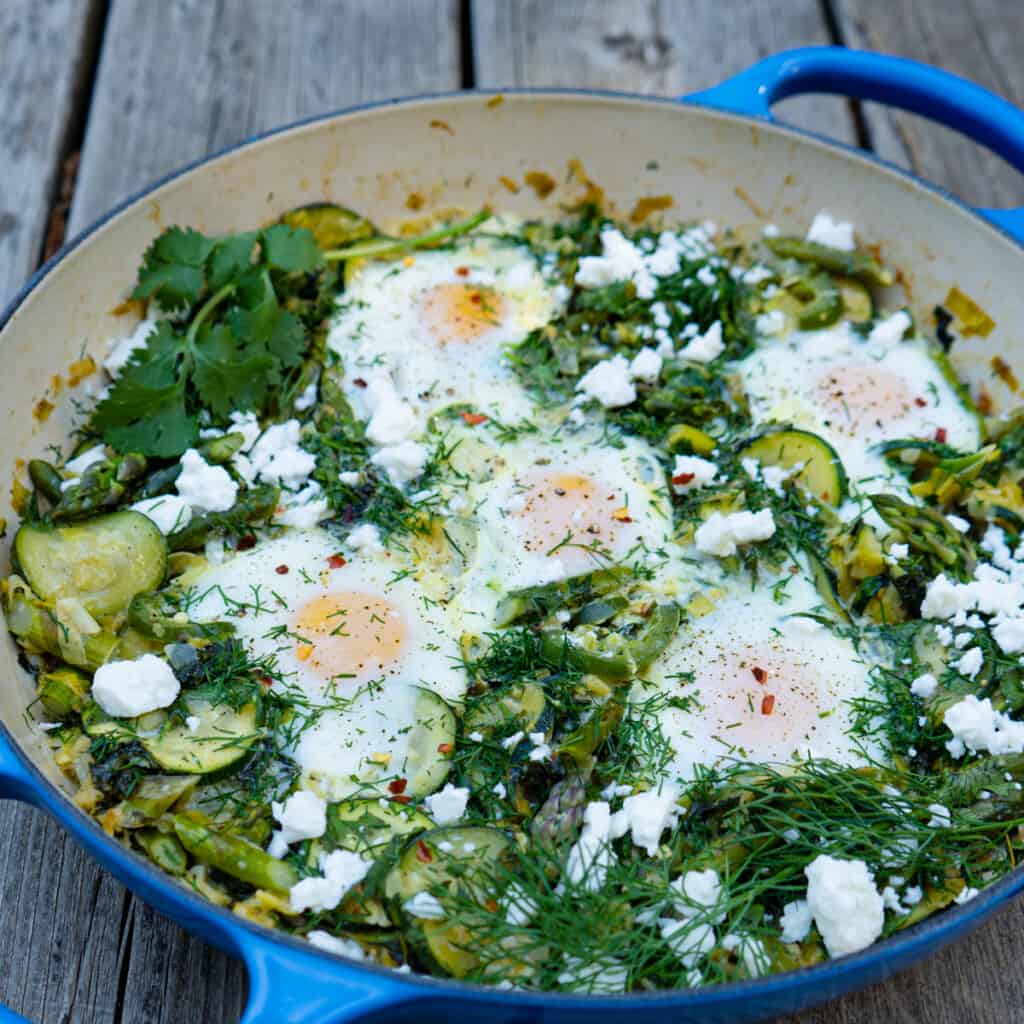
(180, 79)
(43, 48)
(177, 80)
(979, 39)
(656, 46)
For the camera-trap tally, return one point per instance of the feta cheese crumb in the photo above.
(127, 689)
(590, 856)
(278, 458)
(771, 323)
(365, 539)
(924, 686)
(645, 816)
(721, 535)
(796, 921)
(978, 727)
(80, 463)
(308, 397)
(690, 943)
(971, 662)
(449, 805)
(610, 382)
(170, 512)
(122, 349)
(620, 260)
(332, 944)
(826, 230)
(205, 487)
(646, 365)
(511, 742)
(940, 816)
(302, 816)
(403, 462)
(305, 508)
(845, 904)
(341, 870)
(192, 723)
(699, 894)
(691, 472)
(391, 420)
(705, 347)
(349, 479)
(890, 331)
(958, 523)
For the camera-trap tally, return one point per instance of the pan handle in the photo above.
(939, 95)
(300, 987)
(15, 781)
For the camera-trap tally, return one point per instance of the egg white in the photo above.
(799, 710)
(355, 639)
(439, 322)
(856, 395)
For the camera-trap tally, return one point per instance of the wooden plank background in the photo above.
(142, 87)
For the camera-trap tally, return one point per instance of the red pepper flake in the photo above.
(246, 542)
(337, 561)
(940, 435)
(920, 402)
(359, 382)
(423, 854)
(462, 271)
(402, 799)
(491, 904)
(767, 703)
(266, 682)
(474, 419)
(397, 786)
(759, 674)
(621, 515)
(282, 570)
(445, 748)
(682, 478)
(476, 298)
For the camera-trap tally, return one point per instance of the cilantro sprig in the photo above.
(246, 305)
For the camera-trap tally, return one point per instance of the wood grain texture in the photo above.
(43, 57)
(177, 80)
(978, 39)
(655, 46)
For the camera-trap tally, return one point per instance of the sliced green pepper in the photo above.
(851, 263)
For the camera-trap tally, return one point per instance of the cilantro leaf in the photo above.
(292, 250)
(231, 257)
(229, 375)
(172, 269)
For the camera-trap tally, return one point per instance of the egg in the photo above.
(560, 506)
(356, 635)
(855, 394)
(755, 681)
(439, 321)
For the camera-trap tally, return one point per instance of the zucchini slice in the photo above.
(362, 825)
(858, 304)
(431, 744)
(507, 710)
(464, 864)
(222, 737)
(103, 562)
(822, 473)
(332, 226)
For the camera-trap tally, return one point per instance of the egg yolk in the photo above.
(349, 636)
(858, 397)
(461, 311)
(572, 513)
(760, 700)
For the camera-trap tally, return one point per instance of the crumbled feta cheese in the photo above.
(970, 664)
(332, 944)
(520, 909)
(365, 539)
(511, 742)
(600, 976)
(771, 323)
(590, 856)
(646, 365)
(958, 523)
(80, 463)
(303, 509)
(721, 535)
(699, 894)
(499, 790)
(278, 458)
(645, 816)
(341, 870)
(966, 894)
(705, 347)
(402, 462)
(248, 425)
(845, 904)
(913, 896)
(924, 686)
(689, 942)
(1009, 634)
(205, 487)
(660, 314)
(897, 552)
(691, 472)
(826, 230)
(621, 260)
(940, 816)
(449, 805)
(349, 479)
(302, 816)
(890, 331)
(978, 727)
(391, 420)
(192, 723)
(122, 349)
(475, 737)
(707, 277)
(773, 477)
(796, 921)
(770, 231)
(127, 689)
(170, 512)
(610, 382)
(308, 397)
(541, 748)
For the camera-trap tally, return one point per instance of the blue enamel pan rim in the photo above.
(241, 937)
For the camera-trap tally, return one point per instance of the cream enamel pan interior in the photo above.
(453, 151)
